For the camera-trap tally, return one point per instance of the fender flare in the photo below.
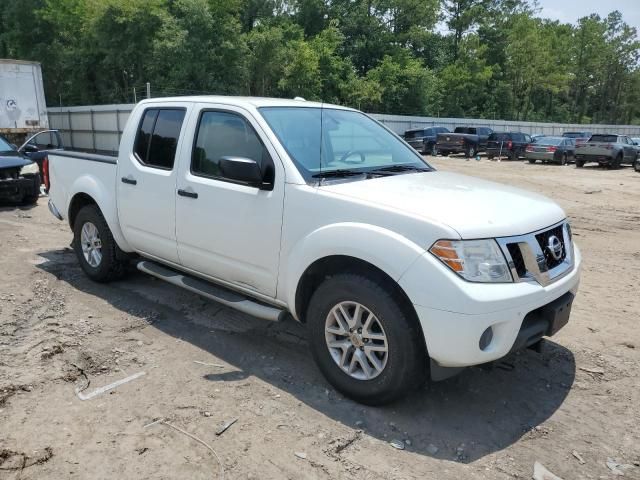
(105, 199)
(387, 250)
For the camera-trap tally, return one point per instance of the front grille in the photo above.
(9, 174)
(518, 261)
(543, 241)
(530, 257)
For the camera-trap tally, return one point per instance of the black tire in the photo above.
(579, 163)
(490, 157)
(444, 153)
(407, 360)
(30, 199)
(563, 160)
(470, 151)
(110, 266)
(434, 150)
(513, 155)
(532, 161)
(616, 163)
(636, 165)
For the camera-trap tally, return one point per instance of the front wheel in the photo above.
(365, 343)
(95, 247)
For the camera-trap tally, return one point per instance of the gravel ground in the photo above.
(571, 407)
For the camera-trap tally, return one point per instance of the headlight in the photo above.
(32, 168)
(473, 260)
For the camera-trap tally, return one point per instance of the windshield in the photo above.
(321, 140)
(5, 146)
(604, 138)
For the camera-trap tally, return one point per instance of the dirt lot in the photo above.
(571, 407)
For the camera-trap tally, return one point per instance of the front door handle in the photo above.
(129, 180)
(187, 193)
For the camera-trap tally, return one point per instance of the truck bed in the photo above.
(68, 170)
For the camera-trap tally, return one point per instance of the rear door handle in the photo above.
(129, 180)
(187, 193)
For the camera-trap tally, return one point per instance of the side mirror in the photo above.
(30, 148)
(241, 169)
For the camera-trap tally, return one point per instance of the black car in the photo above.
(512, 145)
(467, 140)
(19, 175)
(424, 139)
(560, 150)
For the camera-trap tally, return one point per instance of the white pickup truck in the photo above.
(277, 207)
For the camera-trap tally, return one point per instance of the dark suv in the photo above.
(424, 139)
(512, 145)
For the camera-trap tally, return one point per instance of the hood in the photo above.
(473, 207)
(13, 160)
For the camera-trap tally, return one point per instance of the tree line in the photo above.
(449, 58)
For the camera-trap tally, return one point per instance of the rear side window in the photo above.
(225, 134)
(157, 137)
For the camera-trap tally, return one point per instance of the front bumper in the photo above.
(16, 189)
(453, 337)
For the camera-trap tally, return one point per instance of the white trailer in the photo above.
(22, 104)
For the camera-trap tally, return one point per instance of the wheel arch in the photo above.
(326, 267)
(87, 190)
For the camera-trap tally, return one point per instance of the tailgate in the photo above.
(595, 149)
(450, 139)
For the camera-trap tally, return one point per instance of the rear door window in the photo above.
(157, 137)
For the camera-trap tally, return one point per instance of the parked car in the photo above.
(467, 140)
(277, 207)
(19, 175)
(608, 150)
(424, 139)
(578, 137)
(507, 144)
(560, 150)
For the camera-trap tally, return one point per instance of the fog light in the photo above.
(486, 338)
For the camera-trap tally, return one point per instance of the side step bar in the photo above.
(218, 294)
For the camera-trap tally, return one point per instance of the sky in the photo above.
(569, 11)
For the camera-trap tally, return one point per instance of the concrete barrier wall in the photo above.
(98, 128)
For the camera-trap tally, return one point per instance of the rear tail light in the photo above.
(551, 149)
(45, 174)
(529, 148)
(509, 144)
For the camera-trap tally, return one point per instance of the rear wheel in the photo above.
(531, 160)
(636, 165)
(95, 247)
(365, 343)
(616, 163)
(434, 150)
(579, 163)
(444, 153)
(470, 151)
(563, 160)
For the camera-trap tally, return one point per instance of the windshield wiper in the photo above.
(400, 168)
(340, 173)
